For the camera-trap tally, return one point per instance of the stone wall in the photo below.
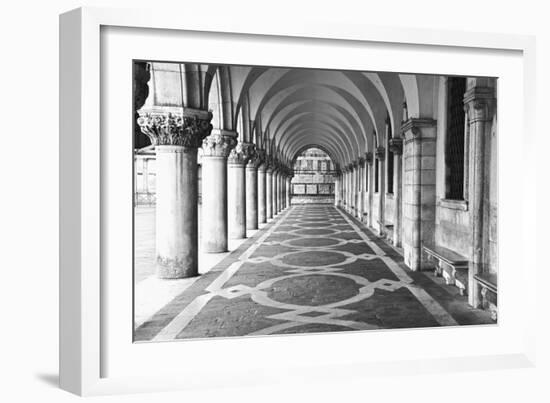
(313, 180)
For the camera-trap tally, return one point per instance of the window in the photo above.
(454, 141)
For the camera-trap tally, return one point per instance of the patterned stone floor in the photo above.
(312, 269)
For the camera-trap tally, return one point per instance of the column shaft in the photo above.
(214, 204)
(176, 212)
(236, 200)
(268, 193)
(252, 196)
(262, 202)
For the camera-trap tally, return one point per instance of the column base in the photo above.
(166, 269)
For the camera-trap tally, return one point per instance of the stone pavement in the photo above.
(312, 269)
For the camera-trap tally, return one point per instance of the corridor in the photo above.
(313, 268)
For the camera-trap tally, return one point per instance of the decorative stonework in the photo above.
(169, 129)
(380, 153)
(411, 129)
(242, 153)
(396, 145)
(355, 164)
(368, 158)
(361, 161)
(479, 103)
(142, 75)
(256, 158)
(219, 144)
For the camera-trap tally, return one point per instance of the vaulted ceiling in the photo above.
(284, 111)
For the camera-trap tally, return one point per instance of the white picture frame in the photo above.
(85, 344)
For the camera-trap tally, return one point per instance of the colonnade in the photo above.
(356, 193)
(242, 187)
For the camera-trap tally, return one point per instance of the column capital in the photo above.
(219, 143)
(479, 103)
(368, 158)
(413, 128)
(380, 153)
(242, 153)
(257, 158)
(355, 164)
(187, 129)
(361, 161)
(350, 167)
(396, 145)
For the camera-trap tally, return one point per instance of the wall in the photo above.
(452, 218)
(313, 180)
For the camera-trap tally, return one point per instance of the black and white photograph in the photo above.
(271, 200)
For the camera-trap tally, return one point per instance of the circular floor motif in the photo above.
(314, 224)
(313, 258)
(314, 219)
(313, 242)
(313, 290)
(315, 231)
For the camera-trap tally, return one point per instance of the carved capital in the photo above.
(415, 128)
(396, 145)
(479, 103)
(361, 161)
(242, 153)
(368, 158)
(219, 143)
(187, 130)
(380, 153)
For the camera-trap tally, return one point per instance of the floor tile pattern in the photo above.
(313, 269)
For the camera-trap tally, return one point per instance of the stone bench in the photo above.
(451, 265)
(488, 284)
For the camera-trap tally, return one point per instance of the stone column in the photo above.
(216, 149)
(276, 175)
(336, 189)
(370, 171)
(269, 192)
(282, 185)
(418, 189)
(262, 202)
(274, 193)
(381, 156)
(348, 189)
(479, 104)
(176, 139)
(288, 190)
(396, 147)
(236, 205)
(356, 186)
(360, 186)
(252, 187)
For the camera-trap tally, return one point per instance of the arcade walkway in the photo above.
(312, 269)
